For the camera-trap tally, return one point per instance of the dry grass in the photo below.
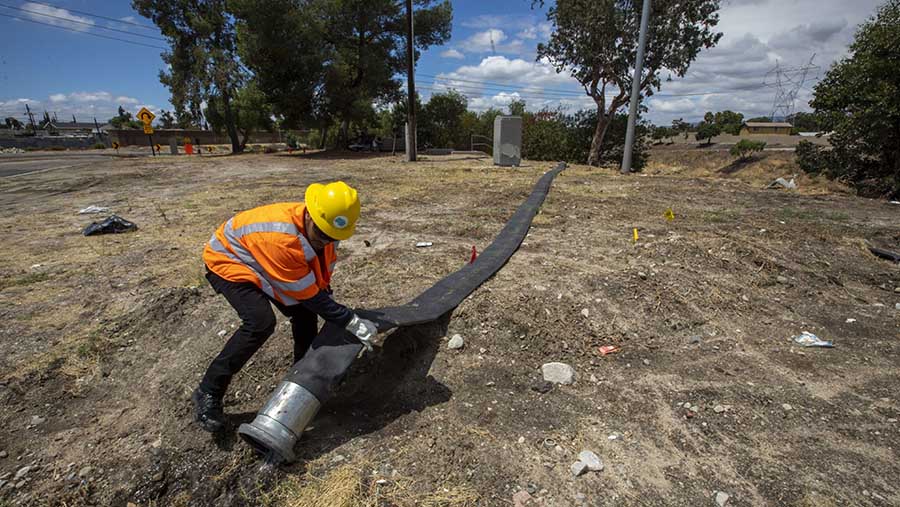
(346, 486)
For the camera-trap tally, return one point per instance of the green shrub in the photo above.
(809, 157)
(99, 146)
(745, 148)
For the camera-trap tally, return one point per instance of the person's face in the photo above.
(316, 237)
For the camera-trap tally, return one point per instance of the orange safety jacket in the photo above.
(267, 246)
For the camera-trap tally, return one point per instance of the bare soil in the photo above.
(104, 338)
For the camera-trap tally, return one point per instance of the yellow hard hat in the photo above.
(334, 208)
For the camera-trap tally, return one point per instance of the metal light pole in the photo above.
(636, 88)
(410, 87)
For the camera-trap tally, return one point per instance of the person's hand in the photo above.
(363, 329)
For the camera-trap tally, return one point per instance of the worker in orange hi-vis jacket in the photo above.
(281, 254)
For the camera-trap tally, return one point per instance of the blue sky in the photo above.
(491, 58)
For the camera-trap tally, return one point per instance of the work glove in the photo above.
(363, 329)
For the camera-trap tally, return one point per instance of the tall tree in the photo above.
(251, 111)
(338, 57)
(596, 41)
(858, 101)
(203, 64)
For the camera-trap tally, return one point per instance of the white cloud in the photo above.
(101, 105)
(129, 19)
(452, 53)
(540, 31)
(56, 16)
(90, 97)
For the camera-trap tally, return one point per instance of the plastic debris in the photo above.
(424, 244)
(474, 255)
(807, 339)
(607, 349)
(93, 208)
(112, 225)
(781, 182)
(634, 234)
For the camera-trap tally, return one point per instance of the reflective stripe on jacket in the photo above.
(267, 246)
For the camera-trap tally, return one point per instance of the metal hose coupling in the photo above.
(278, 426)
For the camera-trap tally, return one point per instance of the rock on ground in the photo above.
(591, 460)
(578, 468)
(722, 498)
(558, 373)
(456, 342)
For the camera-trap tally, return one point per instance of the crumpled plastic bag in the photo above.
(112, 225)
(807, 339)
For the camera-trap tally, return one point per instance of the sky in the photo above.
(60, 56)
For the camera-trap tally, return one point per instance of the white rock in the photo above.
(221, 333)
(521, 440)
(578, 468)
(646, 362)
(722, 498)
(456, 342)
(591, 460)
(22, 472)
(85, 471)
(558, 373)
(718, 409)
(787, 406)
(585, 312)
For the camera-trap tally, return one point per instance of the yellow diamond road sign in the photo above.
(146, 116)
(148, 129)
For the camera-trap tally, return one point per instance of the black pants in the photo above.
(257, 324)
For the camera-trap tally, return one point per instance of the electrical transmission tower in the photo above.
(787, 82)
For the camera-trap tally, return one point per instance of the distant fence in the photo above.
(43, 143)
(127, 137)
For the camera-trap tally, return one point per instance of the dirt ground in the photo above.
(105, 337)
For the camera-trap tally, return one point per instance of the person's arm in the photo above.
(324, 306)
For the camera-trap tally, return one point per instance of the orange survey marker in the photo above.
(608, 349)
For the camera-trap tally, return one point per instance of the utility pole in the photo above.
(636, 88)
(30, 117)
(410, 86)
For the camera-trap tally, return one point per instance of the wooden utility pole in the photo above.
(410, 86)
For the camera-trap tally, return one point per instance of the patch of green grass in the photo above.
(28, 279)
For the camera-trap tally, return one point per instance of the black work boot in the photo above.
(208, 411)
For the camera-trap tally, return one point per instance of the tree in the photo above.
(166, 119)
(440, 121)
(680, 126)
(327, 61)
(251, 112)
(203, 64)
(745, 148)
(660, 134)
(707, 131)
(596, 41)
(729, 122)
(760, 119)
(857, 100)
(124, 120)
(517, 107)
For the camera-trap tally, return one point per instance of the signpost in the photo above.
(147, 116)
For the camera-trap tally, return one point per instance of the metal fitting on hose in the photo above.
(279, 424)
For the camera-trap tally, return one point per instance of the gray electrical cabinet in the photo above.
(507, 140)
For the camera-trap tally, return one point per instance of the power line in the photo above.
(84, 33)
(573, 94)
(92, 25)
(148, 27)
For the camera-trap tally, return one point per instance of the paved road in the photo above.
(24, 163)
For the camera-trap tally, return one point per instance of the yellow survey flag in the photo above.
(669, 214)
